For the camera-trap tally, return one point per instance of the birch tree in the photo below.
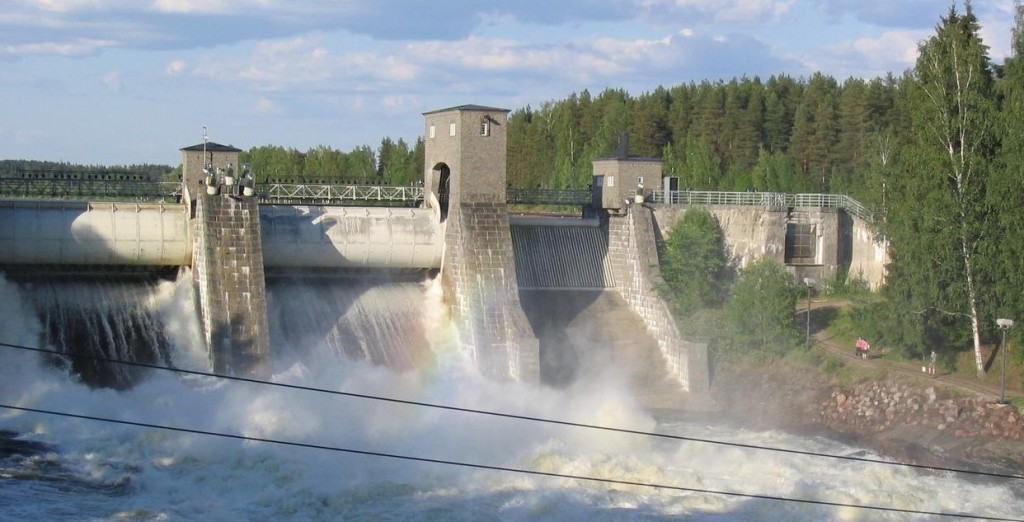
(952, 106)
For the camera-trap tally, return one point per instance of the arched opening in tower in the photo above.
(443, 188)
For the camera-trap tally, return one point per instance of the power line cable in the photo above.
(508, 469)
(527, 417)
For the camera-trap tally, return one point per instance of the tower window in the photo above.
(433, 131)
(451, 129)
(485, 127)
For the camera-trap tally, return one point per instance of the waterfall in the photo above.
(102, 317)
(379, 321)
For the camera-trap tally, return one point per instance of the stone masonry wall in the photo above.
(479, 272)
(228, 269)
(634, 255)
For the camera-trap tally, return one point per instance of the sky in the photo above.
(120, 82)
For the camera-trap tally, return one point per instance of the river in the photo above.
(54, 467)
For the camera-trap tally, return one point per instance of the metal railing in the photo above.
(284, 193)
(568, 197)
(760, 199)
(351, 194)
(91, 189)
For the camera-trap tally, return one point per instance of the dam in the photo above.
(457, 226)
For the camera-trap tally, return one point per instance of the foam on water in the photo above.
(102, 471)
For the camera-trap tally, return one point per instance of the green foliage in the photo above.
(1005, 195)
(941, 231)
(695, 261)
(760, 310)
(34, 168)
(845, 285)
(711, 135)
(394, 163)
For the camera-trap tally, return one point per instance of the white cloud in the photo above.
(308, 64)
(725, 11)
(67, 6)
(175, 68)
(400, 104)
(267, 106)
(79, 47)
(112, 80)
(893, 51)
(202, 6)
(997, 19)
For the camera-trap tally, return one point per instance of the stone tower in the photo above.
(465, 150)
(194, 158)
(465, 161)
(227, 261)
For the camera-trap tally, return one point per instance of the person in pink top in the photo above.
(862, 348)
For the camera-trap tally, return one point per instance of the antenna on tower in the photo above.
(205, 140)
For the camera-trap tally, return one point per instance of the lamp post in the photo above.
(809, 283)
(1004, 325)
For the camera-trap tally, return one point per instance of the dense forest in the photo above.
(393, 163)
(35, 168)
(781, 134)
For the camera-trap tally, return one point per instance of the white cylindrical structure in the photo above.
(342, 237)
(82, 233)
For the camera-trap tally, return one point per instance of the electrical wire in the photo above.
(527, 417)
(522, 471)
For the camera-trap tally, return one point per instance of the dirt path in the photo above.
(910, 370)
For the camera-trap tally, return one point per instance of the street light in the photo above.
(809, 282)
(1004, 325)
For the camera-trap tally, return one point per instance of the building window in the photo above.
(485, 126)
(433, 131)
(451, 129)
(801, 244)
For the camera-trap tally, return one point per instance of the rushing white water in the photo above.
(91, 470)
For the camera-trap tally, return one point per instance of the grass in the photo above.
(841, 329)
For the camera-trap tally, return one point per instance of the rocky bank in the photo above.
(913, 422)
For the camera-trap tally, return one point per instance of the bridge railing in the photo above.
(338, 194)
(760, 199)
(91, 189)
(538, 196)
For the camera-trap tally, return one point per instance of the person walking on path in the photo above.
(931, 363)
(862, 348)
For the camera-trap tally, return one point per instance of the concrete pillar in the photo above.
(228, 269)
(633, 249)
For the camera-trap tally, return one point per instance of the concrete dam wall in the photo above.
(834, 242)
(342, 237)
(130, 234)
(83, 233)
